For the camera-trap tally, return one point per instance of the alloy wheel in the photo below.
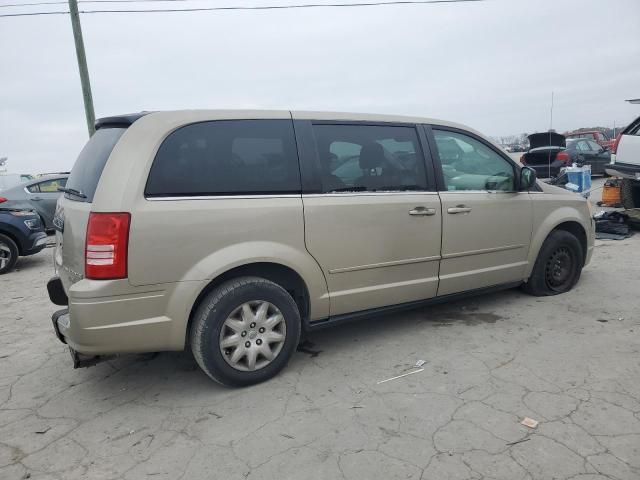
(5, 255)
(253, 335)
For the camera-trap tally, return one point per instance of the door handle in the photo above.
(459, 209)
(36, 199)
(422, 211)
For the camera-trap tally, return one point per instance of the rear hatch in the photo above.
(544, 147)
(546, 139)
(628, 148)
(73, 208)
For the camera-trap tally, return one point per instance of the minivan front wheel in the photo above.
(558, 266)
(245, 331)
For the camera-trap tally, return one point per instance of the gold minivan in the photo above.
(234, 232)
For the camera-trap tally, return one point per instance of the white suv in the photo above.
(626, 163)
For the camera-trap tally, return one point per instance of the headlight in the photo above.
(21, 213)
(32, 223)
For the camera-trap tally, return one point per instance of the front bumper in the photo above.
(36, 242)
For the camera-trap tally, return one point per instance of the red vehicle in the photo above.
(596, 135)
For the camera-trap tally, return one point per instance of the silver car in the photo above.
(40, 195)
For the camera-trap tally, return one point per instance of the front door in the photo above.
(486, 223)
(599, 158)
(375, 225)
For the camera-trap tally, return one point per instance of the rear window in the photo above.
(91, 161)
(226, 157)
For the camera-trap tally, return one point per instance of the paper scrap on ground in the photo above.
(420, 363)
(529, 422)
(400, 376)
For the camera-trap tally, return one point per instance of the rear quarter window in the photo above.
(87, 170)
(226, 157)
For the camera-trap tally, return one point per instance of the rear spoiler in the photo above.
(119, 121)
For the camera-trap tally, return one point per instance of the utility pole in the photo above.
(82, 66)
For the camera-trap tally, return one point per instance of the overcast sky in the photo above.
(491, 65)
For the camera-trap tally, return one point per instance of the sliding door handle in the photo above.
(459, 209)
(422, 211)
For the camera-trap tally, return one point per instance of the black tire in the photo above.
(558, 266)
(218, 306)
(9, 253)
(627, 187)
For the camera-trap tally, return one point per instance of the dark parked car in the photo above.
(21, 234)
(40, 195)
(551, 151)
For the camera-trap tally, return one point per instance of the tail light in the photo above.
(563, 157)
(614, 149)
(2, 199)
(107, 245)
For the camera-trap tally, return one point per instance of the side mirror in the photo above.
(527, 178)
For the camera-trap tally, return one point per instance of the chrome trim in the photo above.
(366, 194)
(220, 197)
(482, 251)
(445, 192)
(386, 264)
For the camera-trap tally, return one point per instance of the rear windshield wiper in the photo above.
(72, 191)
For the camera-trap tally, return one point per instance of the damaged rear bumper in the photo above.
(61, 323)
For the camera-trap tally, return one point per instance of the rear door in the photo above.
(72, 212)
(486, 224)
(372, 215)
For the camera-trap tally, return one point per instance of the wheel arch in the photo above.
(570, 222)
(13, 237)
(578, 231)
(278, 273)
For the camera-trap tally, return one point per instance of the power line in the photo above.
(261, 7)
(56, 2)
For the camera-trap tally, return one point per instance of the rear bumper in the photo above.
(547, 171)
(624, 170)
(111, 317)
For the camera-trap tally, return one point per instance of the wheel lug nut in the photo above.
(261, 330)
(247, 344)
(259, 342)
(253, 325)
(244, 334)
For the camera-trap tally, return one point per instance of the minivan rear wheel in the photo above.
(8, 254)
(558, 266)
(245, 331)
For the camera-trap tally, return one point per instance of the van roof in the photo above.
(127, 120)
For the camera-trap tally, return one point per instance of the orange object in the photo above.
(611, 194)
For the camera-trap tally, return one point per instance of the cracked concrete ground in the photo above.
(572, 362)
